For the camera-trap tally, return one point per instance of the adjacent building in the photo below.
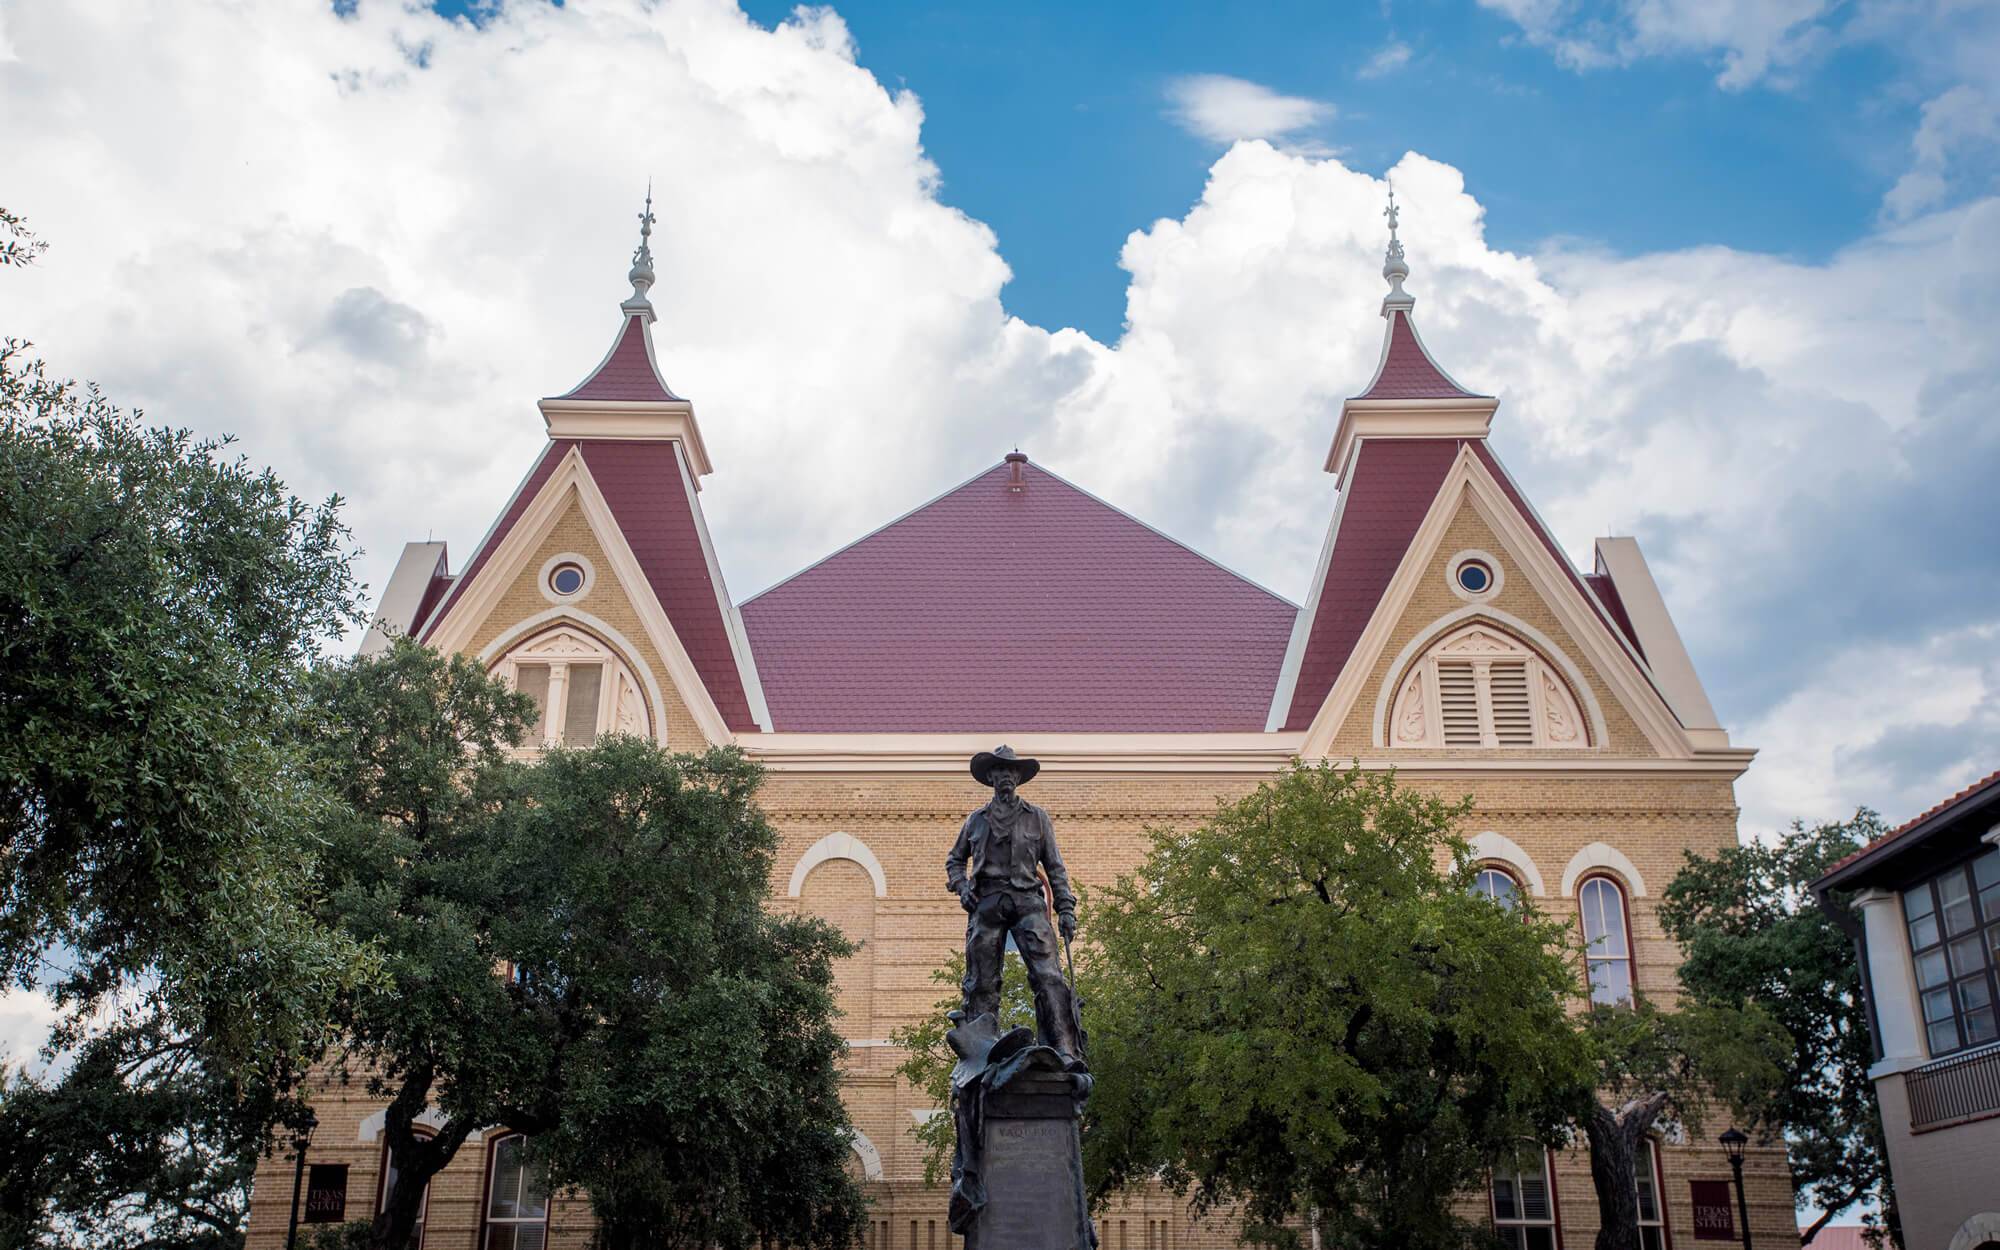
(1444, 633)
(1929, 897)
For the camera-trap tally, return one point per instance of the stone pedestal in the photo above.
(1033, 1168)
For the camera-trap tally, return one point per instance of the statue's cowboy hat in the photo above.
(985, 762)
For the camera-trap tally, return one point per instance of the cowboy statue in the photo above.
(995, 869)
(1033, 1085)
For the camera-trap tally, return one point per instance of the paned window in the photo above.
(580, 687)
(1651, 1182)
(1954, 921)
(517, 1199)
(390, 1171)
(1482, 688)
(1524, 1209)
(1607, 944)
(1497, 885)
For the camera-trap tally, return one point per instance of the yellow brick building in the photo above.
(1445, 634)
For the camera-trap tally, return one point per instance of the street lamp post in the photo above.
(1733, 1143)
(300, 1141)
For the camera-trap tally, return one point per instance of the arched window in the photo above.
(1607, 940)
(1498, 885)
(580, 686)
(1524, 1206)
(517, 1198)
(1479, 687)
(388, 1182)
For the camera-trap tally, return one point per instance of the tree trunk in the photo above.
(418, 1159)
(1614, 1154)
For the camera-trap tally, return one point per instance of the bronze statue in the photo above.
(993, 870)
(1035, 1092)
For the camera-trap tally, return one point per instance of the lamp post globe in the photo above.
(1733, 1143)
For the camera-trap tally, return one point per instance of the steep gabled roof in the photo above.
(1406, 370)
(1389, 493)
(628, 372)
(1042, 608)
(643, 484)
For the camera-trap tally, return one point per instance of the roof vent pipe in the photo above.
(1015, 482)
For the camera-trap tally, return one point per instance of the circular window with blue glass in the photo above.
(566, 577)
(1474, 575)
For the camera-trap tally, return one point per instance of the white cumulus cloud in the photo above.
(422, 226)
(1223, 109)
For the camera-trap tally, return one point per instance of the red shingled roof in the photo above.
(1046, 609)
(627, 373)
(652, 501)
(648, 495)
(1391, 489)
(1977, 788)
(1407, 371)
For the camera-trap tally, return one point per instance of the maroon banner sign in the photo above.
(326, 1193)
(1714, 1211)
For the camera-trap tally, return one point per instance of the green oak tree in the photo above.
(1652, 1064)
(576, 948)
(1751, 931)
(161, 605)
(1300, 1007)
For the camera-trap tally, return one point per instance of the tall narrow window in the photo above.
(580, 687)
(1607, 945)
(517, 1199)
(1479, 687)
(1524, 1212)
(390, 1170)
(1651, 1182)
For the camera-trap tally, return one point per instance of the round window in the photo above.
(566, 579)
(1474, 577)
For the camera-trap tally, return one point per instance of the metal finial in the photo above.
(1394, 267)
(642, 260)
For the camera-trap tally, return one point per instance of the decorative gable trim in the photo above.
(554, 618)
(1468, 480)
(1400, 673)
(454, 632)
(1469, 416)
(619, 419)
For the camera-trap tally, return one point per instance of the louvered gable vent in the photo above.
(1480, 687)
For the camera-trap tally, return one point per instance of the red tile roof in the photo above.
(1391, 489)
(1614, 603)
(1973, 791)
(524, 495)
(627, 373)
(992, 610)
(652, 500)
(1407, 371)
(648, 494)
(1839, 1237)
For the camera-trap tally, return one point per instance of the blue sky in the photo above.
(1729, 264)
(1050, 122)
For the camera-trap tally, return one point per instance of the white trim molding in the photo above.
(1399, 672)
(1976, 1231)
(455, 629)
(655, 722)
(1602, 855)
(838, 846)
(549, 591)
(430, 1117)
(1499, 848)
(1469, 482)
(871, 1158)
(1496, 575)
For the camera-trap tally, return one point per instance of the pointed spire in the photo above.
(1394, 267)
(642, 263)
